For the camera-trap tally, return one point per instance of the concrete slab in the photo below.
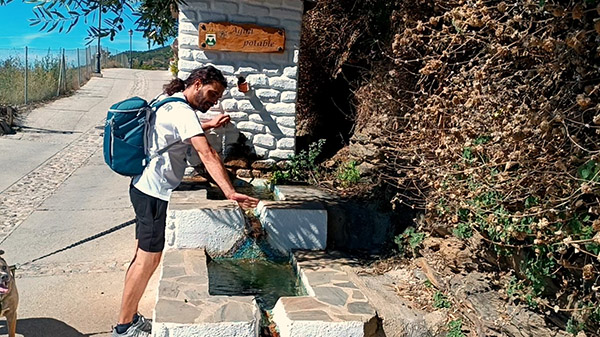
(194, 222)
(294, 224)
(28, 155)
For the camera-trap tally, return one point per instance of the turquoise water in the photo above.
(265, 279)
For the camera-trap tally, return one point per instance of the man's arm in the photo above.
(217, 171)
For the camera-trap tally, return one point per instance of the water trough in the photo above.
(207, 240)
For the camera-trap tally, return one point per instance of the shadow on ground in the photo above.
(44, 327)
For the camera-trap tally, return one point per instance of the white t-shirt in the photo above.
(174, 122)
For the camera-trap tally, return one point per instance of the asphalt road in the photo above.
(55, 190)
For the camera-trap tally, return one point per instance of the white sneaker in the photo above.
(141, 328)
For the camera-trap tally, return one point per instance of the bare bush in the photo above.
(492, 121)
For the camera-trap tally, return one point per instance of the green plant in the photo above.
(348, 174)
(301, 167)
(574, 327)
(440, 300)
(463, 231)
(455, 328)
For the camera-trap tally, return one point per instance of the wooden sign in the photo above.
(247, 38)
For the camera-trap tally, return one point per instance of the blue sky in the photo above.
(16, 32)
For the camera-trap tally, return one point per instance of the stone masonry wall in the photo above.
(265, 115)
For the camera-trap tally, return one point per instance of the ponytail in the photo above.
(206, 75)
(174, 86)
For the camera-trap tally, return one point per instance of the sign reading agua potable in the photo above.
(248, 38)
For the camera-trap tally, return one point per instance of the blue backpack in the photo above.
(126, 134)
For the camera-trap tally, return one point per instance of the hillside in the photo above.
(151, 59)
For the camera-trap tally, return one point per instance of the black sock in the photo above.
(121, 328)
(135, 318)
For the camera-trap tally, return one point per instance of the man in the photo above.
(175, 126)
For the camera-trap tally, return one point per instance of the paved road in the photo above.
(56, 190)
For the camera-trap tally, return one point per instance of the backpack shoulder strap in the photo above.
(162, 102)
(155, 104)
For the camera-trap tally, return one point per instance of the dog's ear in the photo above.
(1, 252)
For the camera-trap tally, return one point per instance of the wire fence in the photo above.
(30, 75)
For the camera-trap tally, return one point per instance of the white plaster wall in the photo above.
(216, 230)
(266, 115)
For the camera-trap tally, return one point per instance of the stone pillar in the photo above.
(266, 114)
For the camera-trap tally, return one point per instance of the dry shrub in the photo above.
(492, 127)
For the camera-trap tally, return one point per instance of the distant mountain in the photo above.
(152, 59)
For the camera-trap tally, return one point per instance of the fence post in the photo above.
(64, 60)
(26, 71)
(59, 75)
(78, 70)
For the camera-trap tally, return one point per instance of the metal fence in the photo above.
(30, 75)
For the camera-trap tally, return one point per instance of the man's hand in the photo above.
(243, 200)
(218, 121)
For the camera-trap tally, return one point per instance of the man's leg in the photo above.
(141, 269)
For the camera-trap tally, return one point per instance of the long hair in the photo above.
(206, 75)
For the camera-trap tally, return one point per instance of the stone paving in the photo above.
(185, 308)
(334, 306)
(21, 199)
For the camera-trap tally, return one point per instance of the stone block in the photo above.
(288, 97)
(292, 4)
(257, 118)
(288, 122)
(266, 141)
(225, 7)
(245, 106)
(238, 116)
(246, 71)
(188, 28)
(281, 109)
(286, 144)
(235, 93)
(296, 54)
(290, 72)
(257, 80)
(210, 16)
(188, 41)
(268, 95)
(295, 14)
(249, 136)
(294, 225)
(283, 83)
(187, 15)
(187, 65)
(269, 21)
(271, 70)
(186, 54)
(226, 69)
(229, 104)
(254, 10)
(242, 18)
(313, 323)
(281, 154)
(288, 132)
(261, 152)
(251, 127)
(266, 164)
(215, 225)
